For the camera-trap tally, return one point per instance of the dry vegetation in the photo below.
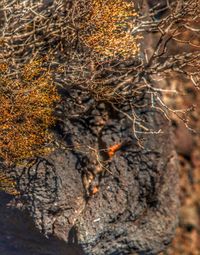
(85, 43)
(107, 28)
(93, 45)
(100, 32)
(26, 112)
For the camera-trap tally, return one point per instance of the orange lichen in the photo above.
(108, 28)
(113, 149)
(8, 185)
(26, 112)
(95, 190)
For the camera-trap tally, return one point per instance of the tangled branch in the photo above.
(114, 50)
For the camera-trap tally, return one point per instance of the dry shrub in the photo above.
(93, 45)
(83, 39)
(26, 112)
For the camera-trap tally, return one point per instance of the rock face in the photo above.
(117, 203)
(109, 188)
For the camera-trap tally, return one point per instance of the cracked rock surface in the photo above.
(79, 195)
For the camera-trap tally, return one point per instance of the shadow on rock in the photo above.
(18, 236)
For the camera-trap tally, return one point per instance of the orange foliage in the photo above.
(108, 28)
(26, 107)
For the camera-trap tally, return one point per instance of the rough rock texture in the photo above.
(78, 200)
(135, 208)
(18, 235)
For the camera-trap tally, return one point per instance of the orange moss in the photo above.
(26, 112)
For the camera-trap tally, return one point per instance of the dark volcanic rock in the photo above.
(116, 205)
